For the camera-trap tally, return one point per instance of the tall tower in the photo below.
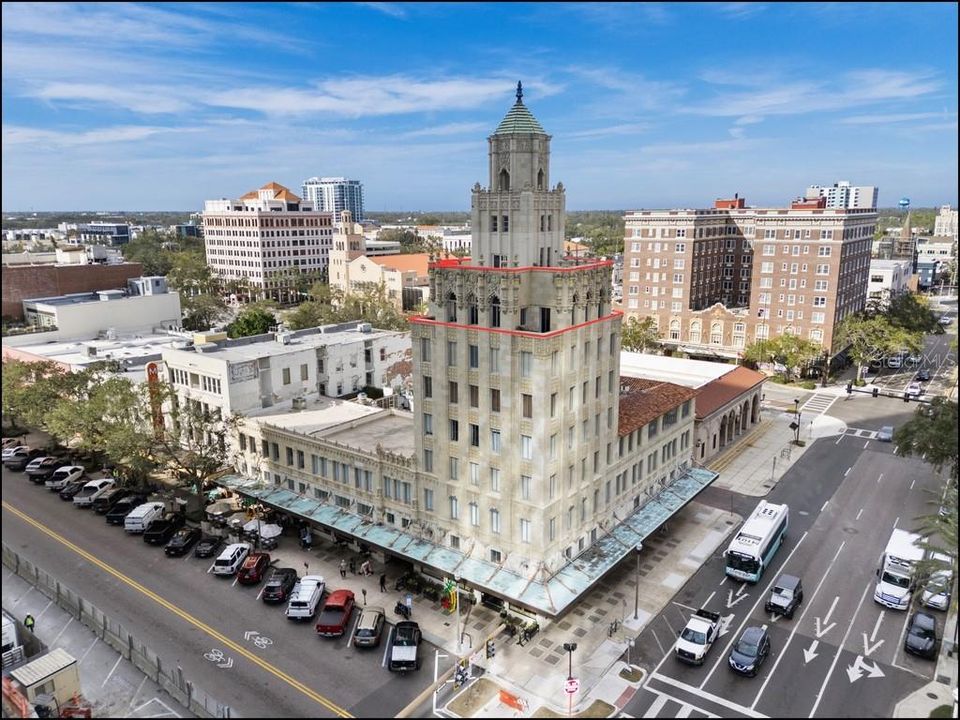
(516, 368)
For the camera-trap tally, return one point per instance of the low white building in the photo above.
(936, 248)
(247, 374)
(144, 305)
(888, 278)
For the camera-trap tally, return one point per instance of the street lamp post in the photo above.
(636, 589)
(456, 609)
(796, 410)
(570, 647)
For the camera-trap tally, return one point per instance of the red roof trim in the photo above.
(422, 320)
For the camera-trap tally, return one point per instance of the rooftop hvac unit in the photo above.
(365, 327)
(299, 403)
(283, 338)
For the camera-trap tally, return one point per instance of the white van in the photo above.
(91, 491)
(230, 559)
(305, 597)
(141, 516)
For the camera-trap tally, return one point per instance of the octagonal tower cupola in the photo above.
(517, 219)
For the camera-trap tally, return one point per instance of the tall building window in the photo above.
(495, 521)
(474, 396)
(526, 447)
(474, 356)
(454, 508)
(454, 392)
(495, 441)
(527, 405)
(454, 430)
(494, 400)
(526, 363)
(525, 482)
(474, 514)
(495, 312)
(474, 435)
(427, 499)
(524, 530)
(427, 424)
(494, 360)
(454, 468)
(474, 473)
(451, 353)
(494, 479)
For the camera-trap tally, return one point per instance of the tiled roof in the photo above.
(518, 120)
(279, 193)
(717, 393)
(405, 263)
(643, 400)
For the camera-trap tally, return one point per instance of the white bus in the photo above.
(753, 547)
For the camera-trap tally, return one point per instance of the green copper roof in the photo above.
(519, 120)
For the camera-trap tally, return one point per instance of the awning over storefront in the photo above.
(549, 597)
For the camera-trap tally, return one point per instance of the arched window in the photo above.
(586, 309)
(540, 180)
(451, 307)
(695, 333)
(573, 313)
(473, 317)
(504, 179)
(495, 312)
(716, 334)
(674, 329)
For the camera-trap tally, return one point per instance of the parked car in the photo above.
(405, 647)
(923, 375)
(335, 613)
(885, 434)
(207, 546)
(10, 442)
(91, 491)
(10, 450)
(253, 569)
(229, 561)
(279, 585)
(914, 389)
(102, 505)
(117, 514)
(945, 320)
(162, 529)
(894, 361)
(785, 596)
(69, 491)
(914, 359)
(138, 520)
(751, 650)
(305, 597)
(63, 475)
(369, 627)
(21, 458)
(182, 540)
(921, 636)
(936, 592)
(39, 469)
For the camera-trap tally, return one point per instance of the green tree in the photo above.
(939, 532)
(931, 433)
(792, 351)
(908, 311)
(868, 338)
(202, 312)
(307, 315)
(639, 335)
(410, 241)
(253, 320)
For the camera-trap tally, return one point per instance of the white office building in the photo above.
(334, 194)
(888, 278)
(844, 195)
(946, 223)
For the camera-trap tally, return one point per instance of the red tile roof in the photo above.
(416, 262)
(643, 400)
(717, 393)
(279, 193)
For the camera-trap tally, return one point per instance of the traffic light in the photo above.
(850, 387)
(491, 650)
(876, 392)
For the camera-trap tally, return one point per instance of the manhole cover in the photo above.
(851, 531)
(933, 696)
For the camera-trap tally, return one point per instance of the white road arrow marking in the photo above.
(821, 630)
(876, 627)
(228, 664)
(811, 652)
(250, 633)
(725, 623)
(730, 600)
(872, 668)
(868, 649)
(853, 671)
(856, 671)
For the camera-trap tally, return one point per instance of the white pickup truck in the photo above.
(698, 636)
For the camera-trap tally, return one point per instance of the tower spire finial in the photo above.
(519, 92)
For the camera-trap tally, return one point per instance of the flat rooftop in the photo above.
(133, 351)
(680, 371)
(392, 431)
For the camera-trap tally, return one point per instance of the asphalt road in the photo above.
(937, 359)
(279, 668)
(841, 655)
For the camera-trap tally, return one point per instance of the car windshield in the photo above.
(406, 637)
(365, 632)
(898, 580)
(748, 646)
(694, 636)
(783, 591)
(922, 632)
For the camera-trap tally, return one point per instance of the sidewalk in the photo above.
(113, 685)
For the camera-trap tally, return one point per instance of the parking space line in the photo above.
(44, 610)
(65, 626)
(83, 657)
(115, 665)
(386, 648)
(137, 693)
(17, 601)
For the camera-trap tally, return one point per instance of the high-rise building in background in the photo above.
(267, 238)
(715, 280)
(844, 195)
(335, 194)
(946, 223)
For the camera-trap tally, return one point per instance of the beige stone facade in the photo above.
(716, 280)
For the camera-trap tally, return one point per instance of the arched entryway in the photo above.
(755, 413)
(723, 431)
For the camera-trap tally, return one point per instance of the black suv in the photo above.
(160, 531)
(182, 541)
(751, 650)
(279, 585)
(120, 509)
(208, 546)
(72, 489)
(785, 596)
(921, 636)
(103, 504)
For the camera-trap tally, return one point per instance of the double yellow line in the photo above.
(240, 650)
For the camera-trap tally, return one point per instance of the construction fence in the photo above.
(168, 676)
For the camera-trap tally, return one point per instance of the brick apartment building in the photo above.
(23, 282)
(715, 280)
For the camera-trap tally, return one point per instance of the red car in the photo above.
(253, 568)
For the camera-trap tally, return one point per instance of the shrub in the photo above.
(808, 385)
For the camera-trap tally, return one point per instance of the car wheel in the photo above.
(790, 615)
(417, 666)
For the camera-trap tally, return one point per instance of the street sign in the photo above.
(571, 686)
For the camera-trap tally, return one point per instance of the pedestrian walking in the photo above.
(29, 622)
(343, 568)
(409, 602)
(365, 569)
(383, 582)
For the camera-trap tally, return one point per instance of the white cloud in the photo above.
(387, 8)
(14, 135)
(739, 10)
(448, 129)
(144, 99)
(890, 118)
(623, 129)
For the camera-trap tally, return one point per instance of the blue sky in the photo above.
(161, 106)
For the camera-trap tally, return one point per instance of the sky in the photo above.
(162, 106)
